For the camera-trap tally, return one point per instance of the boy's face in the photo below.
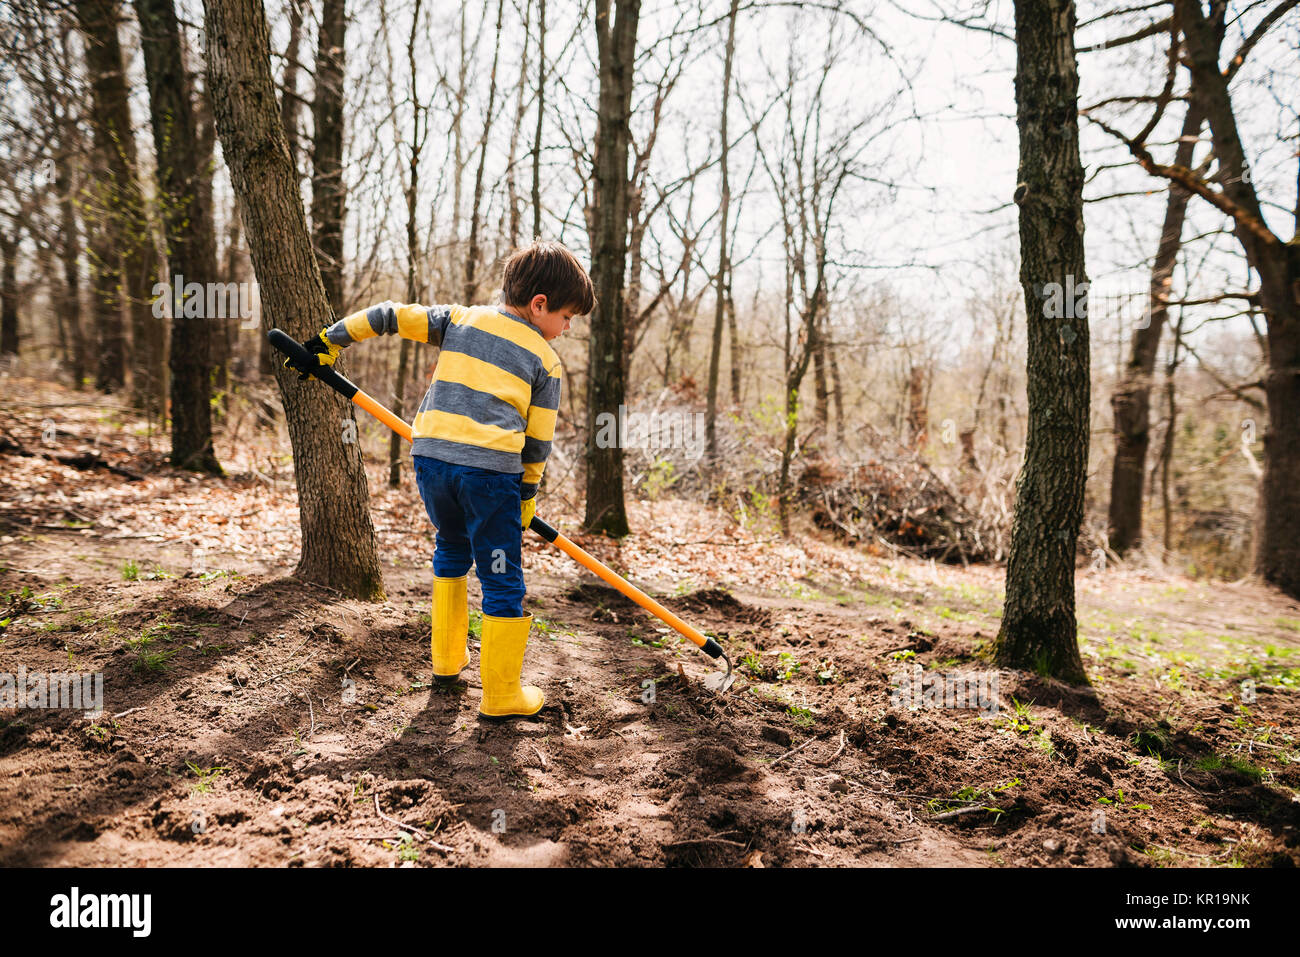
(552, 323)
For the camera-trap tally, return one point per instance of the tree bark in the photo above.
(127, 221)
(1277, 555)
(69, 298)
(607, 373)
(327, 187)
(418, 134)
(187, 227)
(733, 337)
(537, 133)
(724, 260)
(512, 180)
(475, 212)
(1171, 430)
(1132, 399)
(918, 414)
(339, 549)
(821, 384)
(9, 292)
(289, 102)
(1038, 624)
(221, 328)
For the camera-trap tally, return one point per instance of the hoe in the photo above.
(306, 363)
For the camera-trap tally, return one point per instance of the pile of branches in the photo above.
(893, 499)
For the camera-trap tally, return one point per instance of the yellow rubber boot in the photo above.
(500, 663)
(450, 626)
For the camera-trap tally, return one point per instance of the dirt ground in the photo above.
(253, 719)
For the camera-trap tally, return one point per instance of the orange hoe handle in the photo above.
(304, 361)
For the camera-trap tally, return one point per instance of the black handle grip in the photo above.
(548, 532)
(304, 361)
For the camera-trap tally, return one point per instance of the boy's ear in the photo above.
(538, 302)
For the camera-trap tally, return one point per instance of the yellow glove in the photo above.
(527, 509)
(324, 351)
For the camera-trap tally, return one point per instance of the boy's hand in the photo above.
(527, 509)
(324, 351)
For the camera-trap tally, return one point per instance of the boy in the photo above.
(481, 439)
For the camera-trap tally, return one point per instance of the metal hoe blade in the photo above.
(720, 681)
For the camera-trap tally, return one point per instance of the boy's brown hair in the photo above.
(550, 270)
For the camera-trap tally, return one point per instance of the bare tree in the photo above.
(606, 371)
(808, 165)
(328, 191)
(1132, 397)
(1038, 621)
(187, 226)
(1275, 261)
(722, 279)
(475, 213)
(338, 537)
(123, 232)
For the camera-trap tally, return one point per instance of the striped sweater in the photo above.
(495, 392)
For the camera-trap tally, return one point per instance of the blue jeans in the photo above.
(476, 512)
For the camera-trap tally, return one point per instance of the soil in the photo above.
(254, 719)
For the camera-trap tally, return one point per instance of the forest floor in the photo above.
(254, 719)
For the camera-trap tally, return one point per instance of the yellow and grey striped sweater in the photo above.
(495, 391)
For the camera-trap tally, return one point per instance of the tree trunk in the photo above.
(327, 187)
(821, 384)
(606, 369)
(458, 149)
(105, 257)
(221, 327)
(9, 292)
(69, 298)
(918, 415)
(475, 212)
(1171, 430)
(1277, 554)
(1038, 625)
(225, 350)
(187, 226)
(418, 135)
(128, 221)
(289, 102)
(733, 334)
(724, 260)
(537, 133)
(1132, 399)
(338, 539)
(837, 393)
(512, 180)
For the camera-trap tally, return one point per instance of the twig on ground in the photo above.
(832, 759)
(796, 750)
(312, 712)
(707, 840)
(1180, 777)
(948, 815)
(414, 830)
